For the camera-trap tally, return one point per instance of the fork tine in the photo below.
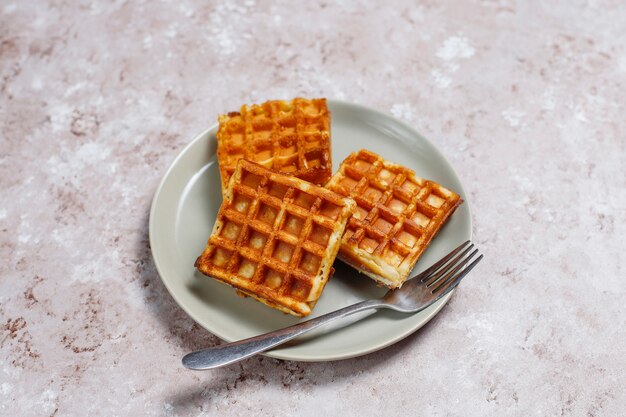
(423, 276)
(437, 277)
(460, 262)
(452, 283)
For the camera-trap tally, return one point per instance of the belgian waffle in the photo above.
(397, 216)
(290, 137)
(275, 238)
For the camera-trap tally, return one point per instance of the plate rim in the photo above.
(280, 354)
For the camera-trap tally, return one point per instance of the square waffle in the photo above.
(275, 238)
(290, 137)
(398, 214)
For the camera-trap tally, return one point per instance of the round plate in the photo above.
(185, 206)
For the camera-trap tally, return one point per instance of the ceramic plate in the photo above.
(185, 206)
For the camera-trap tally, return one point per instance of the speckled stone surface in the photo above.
(526, 99)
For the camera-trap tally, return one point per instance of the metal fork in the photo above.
(415, 295)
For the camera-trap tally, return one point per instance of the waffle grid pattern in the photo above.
(397, 215)
(290, 137)
(275, 238)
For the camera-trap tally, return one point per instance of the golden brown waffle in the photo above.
(398, 214)
(290, 137)
(275, 238)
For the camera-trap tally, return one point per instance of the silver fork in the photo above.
(415, 295)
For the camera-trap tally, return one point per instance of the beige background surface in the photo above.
(526, 99)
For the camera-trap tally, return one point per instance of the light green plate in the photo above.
(185, 206)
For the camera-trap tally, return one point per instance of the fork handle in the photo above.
(228, 353)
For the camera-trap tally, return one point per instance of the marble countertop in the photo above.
(526, 99)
